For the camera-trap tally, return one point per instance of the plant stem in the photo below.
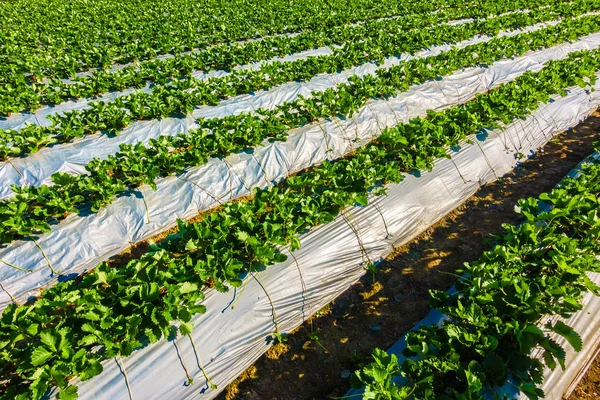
(9, 295)
(55, 272)
(189, 378)
(212, 385)
(122, 365)
(14, 266)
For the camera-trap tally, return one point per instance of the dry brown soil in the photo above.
(589, 387)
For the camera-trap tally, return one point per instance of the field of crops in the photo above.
(183, 183)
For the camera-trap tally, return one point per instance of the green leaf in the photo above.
(294, 243)
(70, 393)
(495, 369)
(88, 340)
(91, 315)
(40, 383)
(568, 333)
(549, 360)
(526, 342)
(534, 329)
(188, 287)
(49, 339)
(190, 245)
(33, 329)
(243, 236)
(186, 328)
(531, 391)
(101, 278)
(93, 368)
(40, 355)
(380, 374)
(362, 200)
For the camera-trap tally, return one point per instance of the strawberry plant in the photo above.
(226, 56)
(109, 312)
(50, 39)
(181, 96)
(139, 164)
(537, 269)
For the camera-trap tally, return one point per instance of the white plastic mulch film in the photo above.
(136, 217)
(330, 260)
(229, 340)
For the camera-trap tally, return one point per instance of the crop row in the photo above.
(182, 96)
(57, 39)
(21, 95)
(33, 209)
(537, 269)
(110, 311)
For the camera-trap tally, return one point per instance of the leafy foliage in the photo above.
(31, 79)
(538, 268)
(32, 209)
(222, 56)
(112, 311)
(52, 38)
(181, 96)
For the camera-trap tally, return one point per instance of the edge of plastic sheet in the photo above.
(330, 260)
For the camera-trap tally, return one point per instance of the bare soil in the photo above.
(378, 310)
(589, 386)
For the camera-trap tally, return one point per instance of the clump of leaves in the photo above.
(538, 268)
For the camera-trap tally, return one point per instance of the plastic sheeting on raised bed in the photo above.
(229, 339)
(144, 213)
(37, 168)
